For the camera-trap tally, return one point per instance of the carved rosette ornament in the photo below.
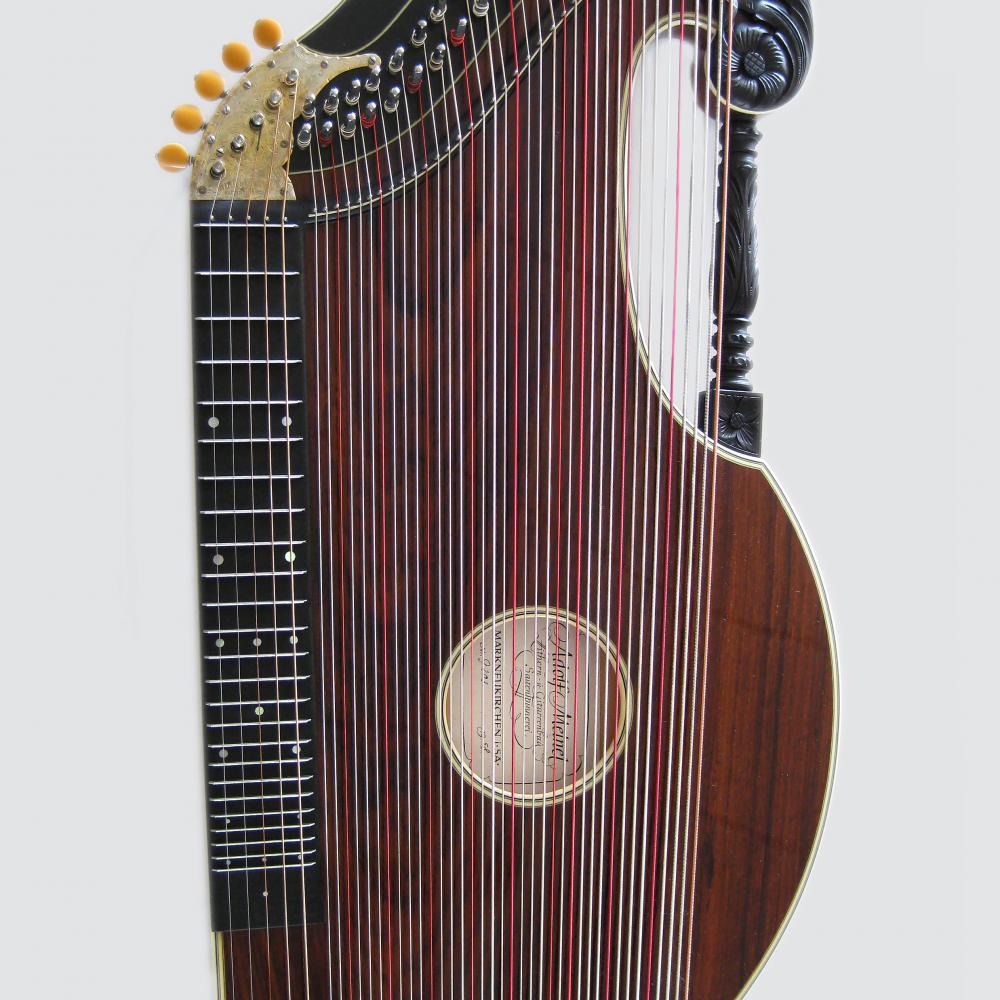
(763, 68)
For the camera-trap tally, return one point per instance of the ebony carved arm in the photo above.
(769, 57)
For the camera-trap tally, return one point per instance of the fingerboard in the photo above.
(264, 830)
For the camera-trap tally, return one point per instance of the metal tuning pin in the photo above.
(209, 85)
(481, 7)
(332, 103)
(304, 136)
(354, 94)
(173, 158)
(188, 119)
(457, 34)
(238, 144)
(217, 170)
(392, 101)
(350, 125)
(292, 77)
(436, 60)
(236, 57)
(374, 80)
(419, 35)
(257, 121)
(274, 100)
(416, 80)
(326, 133)
(396, 60)
(370, 114)
(309, 107)
(267, 33)
(438, 11)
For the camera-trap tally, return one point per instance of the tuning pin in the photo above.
(392, 101)
(396, 60)
(332, 102)
(209, 85)
(374, 79)
(187, 118)
(436, 60)
(349, 125)
(416, 79)
(419, 35)
(267, 33)
(354, 94)
(304, 137)
(326, 132)
(173, 158)
(481, 8)
(236, 57)
(457, 33)
(438, 11)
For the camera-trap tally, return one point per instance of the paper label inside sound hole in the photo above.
(534, 707)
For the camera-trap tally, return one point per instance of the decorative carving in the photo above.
(770, 52)
(741, 417)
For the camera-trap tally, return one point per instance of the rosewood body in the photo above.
(483, 435)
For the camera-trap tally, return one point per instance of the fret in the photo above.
(247, 319)
(252, 631)
(247, 274)
(228, 782)
(246, 746)
(265, 855)
(276, 510)
(240, 479)
(252, 604)
(261, 763)
(268, 795)
(251, 361)
(256, 655)
(265, 815)
(249, 402)
(264, 868)
(284, 440)
(276, 574)
(255, 703)
(257, 830)
(246, 225)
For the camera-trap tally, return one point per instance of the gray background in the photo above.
(877, 330)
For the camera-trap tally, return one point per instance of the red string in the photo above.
(343, 579)
(385, 575)
(584, 256)
(626, 333)
(517, 411)
(667, 539)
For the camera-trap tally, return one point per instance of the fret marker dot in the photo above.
(220, 643)
(289, 557)
(259, 710)
(217, 559)
(213, 422)
(286, 421)
(295, 750)
(257, 642)
(264, 893)
(223, 754)
(294, 640)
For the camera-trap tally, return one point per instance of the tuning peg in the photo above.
(209, 85)
(236, 56)
(188, 118)
(173, 158)
(267, 33)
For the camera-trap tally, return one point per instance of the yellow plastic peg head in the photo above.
(187, 118)
(267, 33)
(173, 158)
(236, 57)
(209, 85)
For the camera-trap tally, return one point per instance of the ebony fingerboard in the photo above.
(253, 559)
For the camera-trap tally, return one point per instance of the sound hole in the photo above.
(534, 707)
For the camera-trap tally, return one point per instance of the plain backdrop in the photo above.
(877, 350)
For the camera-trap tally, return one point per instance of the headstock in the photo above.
(247, 140)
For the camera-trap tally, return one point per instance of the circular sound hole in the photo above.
(533, 707)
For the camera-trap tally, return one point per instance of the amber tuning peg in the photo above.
(236, 56)
(267, 33)
(209, 85)
(173, 158)
(187, 118)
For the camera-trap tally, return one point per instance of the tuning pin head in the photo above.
(173, 158)
(187, 118)
(267, 33)
(236, 57)
(209, 85)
